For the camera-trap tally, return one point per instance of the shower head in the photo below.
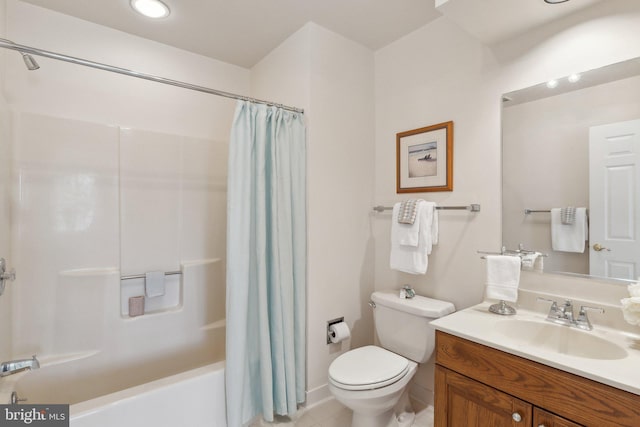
(29, 61)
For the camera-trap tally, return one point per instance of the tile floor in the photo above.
(331, 413)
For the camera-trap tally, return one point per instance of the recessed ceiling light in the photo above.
(555, 1)
(151, 8)
(574, 78)
(552, 84)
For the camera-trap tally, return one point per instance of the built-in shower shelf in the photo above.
(135, 287)
(84, 272)
(194, 263)
(57, 359)
(214, 325)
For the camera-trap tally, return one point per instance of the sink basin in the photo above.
(560, 339)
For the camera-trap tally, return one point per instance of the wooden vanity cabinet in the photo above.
(471, 403)
(476, 385)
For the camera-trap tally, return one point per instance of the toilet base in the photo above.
(378, 407)
(399, 415)
(386, 419)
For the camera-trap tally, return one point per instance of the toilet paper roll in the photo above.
(339, 332)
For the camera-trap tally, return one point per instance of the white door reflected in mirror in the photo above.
(614, 192)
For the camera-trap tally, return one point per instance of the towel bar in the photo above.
(142, 276)
(472, 208)
(511, 252)
(530, 211)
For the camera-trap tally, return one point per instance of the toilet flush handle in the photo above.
(372, 304)
(408, 292)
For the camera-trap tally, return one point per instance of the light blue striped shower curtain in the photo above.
(266, 263)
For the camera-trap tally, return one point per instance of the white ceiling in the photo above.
(492, 21)
(242, 32)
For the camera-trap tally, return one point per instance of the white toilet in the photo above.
(370, 380)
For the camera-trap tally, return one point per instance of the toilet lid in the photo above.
(367, 368)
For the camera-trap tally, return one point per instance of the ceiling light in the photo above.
(555, 1)
(574, 78)
(151, 8)
(552, 84)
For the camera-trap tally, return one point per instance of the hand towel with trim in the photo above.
(407, 214)
(568, 215)
(411, 244)
(532, 261)
(569, 237)
(503, 277)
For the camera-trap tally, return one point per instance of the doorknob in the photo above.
(598, 247)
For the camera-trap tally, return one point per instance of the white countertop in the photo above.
(477, 324)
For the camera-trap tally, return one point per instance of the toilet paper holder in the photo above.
(332, 322)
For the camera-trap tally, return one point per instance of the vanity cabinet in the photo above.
(471, 403)
(476, 385)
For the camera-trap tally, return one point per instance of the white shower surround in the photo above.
(115, 176)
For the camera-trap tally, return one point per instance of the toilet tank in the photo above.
(403, 325)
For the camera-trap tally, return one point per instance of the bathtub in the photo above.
(194, 398)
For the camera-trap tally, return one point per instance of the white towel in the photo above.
(154, 284)
(407, 234)
(503, 277)
(569, 237)
(410, 244)
(532, 261)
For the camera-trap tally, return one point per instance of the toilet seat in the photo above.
(367, 368)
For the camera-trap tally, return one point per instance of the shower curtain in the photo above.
(266, 263)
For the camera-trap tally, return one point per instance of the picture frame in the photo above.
(424, 159)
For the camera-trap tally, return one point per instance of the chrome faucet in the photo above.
(15, 366)
(567, 311)
(564, 315)
(556, 314)
(582, 321)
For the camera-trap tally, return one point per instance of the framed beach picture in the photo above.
(424, 159)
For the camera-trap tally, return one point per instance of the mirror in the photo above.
(548, 131)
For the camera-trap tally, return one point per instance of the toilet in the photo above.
(370, 380)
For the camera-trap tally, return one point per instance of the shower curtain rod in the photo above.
(8, 44)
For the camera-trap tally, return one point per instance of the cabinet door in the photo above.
(542, 418)
(463, 402)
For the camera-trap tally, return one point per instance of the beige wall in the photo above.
(440, 73)
(332, 78)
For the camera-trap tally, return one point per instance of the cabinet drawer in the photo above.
(578, 399)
